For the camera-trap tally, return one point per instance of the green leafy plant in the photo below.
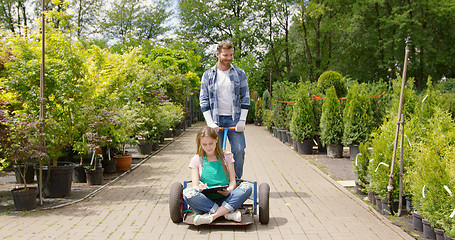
(268, 119)
(22, 145)
(357, 116)
(259, 110)
(332, 79)
(332, 119)
(283, 92)
(266, 100)
(432, 177)
(361, 163)
(302, 122)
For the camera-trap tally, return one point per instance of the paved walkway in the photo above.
(304, 202)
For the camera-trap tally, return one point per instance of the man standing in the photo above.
(225, 100)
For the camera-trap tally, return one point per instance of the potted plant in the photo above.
(302, 122)
(360, 164)
(23, 148)
(94, 172)
(259, 112)
(332, 124)
(357, 116)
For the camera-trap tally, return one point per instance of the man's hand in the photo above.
(213, 125)
(209, 120)
(240, 127)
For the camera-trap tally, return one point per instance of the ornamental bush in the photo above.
(332, 79)
(283, 91)
(266, 104)
(259, 111)
(332, 119)
(432, 178)
(302, 122)
(361, 163)
(357, 117)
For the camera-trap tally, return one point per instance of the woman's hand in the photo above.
(225, 192)
(201, 187)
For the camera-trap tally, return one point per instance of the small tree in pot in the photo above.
(357, 116)
(332, 124)
(302, 122)
(23, 148)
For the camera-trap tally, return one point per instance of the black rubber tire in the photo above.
(264, 195)
(176, 202)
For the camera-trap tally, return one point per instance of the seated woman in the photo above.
(209, 168)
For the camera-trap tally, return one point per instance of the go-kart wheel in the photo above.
(264, 194)
(176, 202)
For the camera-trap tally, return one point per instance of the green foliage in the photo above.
(266, 100)
(357, 116)
(433, 172)
(448, 103)
(302, 122)
(332, 79)
(361, 163)
(379, 105)
(259, 111)
(251, 111)
(332, 119)
(268, 119)
(446, 85)
(283, 91)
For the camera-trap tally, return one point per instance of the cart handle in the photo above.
(225, 130)
(230, 128)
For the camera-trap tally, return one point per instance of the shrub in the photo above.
(361, 162)
(268, 119)
(283, 91)
(357, 117)
(302, 122)
(433, 172)
(259, 110)
(379, 105)
(331, 119)
(332, 79)
(266, 101)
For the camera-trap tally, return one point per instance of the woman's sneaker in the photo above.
(235, 216)
(203, 219)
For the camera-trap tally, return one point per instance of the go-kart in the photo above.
(257, 204)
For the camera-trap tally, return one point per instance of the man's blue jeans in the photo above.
(237, 141)
(202, 204)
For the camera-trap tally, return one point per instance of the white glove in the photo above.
(209, 120)
(240, 127)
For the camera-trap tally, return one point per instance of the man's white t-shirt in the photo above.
(224, 93)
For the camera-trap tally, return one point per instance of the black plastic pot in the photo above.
(94, 177)
(109, 165)
(428, 230)
(305, 147)
(335, 150)
(353, 151)
(61, 177)
(417, 222)
(439, 234)
(79, 174)
(24, 199)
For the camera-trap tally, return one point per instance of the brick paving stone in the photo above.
(304, 202)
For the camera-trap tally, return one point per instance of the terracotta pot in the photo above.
(123, 162)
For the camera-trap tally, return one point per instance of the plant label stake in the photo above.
(400, 121)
